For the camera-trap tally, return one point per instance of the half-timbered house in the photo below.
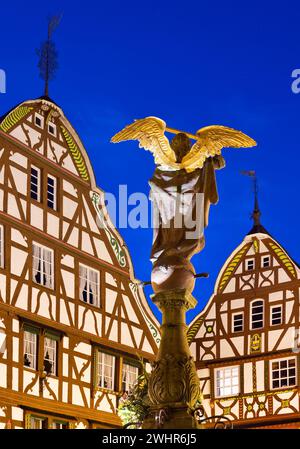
(245, 341)
(73, 321)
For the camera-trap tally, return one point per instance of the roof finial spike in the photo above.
(256, 211)
(256, 214)
(48, 55)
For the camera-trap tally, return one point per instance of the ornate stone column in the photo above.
(174, 385)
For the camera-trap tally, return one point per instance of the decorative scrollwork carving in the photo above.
(174, 379)
(133, 425)
(220, 421)
(161, 417)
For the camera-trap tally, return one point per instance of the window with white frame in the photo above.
(2, 341)
(30, 349)
(250, 265)
(35, 183)
(42, 265)
(39, 120)
(129, 376)
(257, 314)
(266, 261)
(52, 129)
(37, 422)
(227, 381)
(276, 315)
(60, 425)
(51, 192)
(238, 322)
(89, 285)
(50, 355)
(105, 370)
(283, 373)
(1, 246)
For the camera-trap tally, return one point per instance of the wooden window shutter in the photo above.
(95, 357)
(27, 420)
(266, 375)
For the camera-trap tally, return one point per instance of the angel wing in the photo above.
(150, 132)
(211, 140)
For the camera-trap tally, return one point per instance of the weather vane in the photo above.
(255, 215)
(47, 54)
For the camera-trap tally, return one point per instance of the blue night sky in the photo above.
(191, 63)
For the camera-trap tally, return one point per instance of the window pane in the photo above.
(250, 264)
(105, 370)
(89, 285)
(50, 355)
(42, 266)
(38, 423)
(257, 315)
(276, 315)
(129, 376)
(238, 322)
(227, 383)
(35, 186)
(51, 192)
(60, 425)
(292, 381)
(30, 349)
(283, 373)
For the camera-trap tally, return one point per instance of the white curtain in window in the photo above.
(129, 376)
(50, 346)
(36, 253)
(108, 371)
(94, 285)
(132, 376)
(30, 348)
(83, 282)
(36, 423)
(48, 267)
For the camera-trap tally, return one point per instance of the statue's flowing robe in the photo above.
(179, 215)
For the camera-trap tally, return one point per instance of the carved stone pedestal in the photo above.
(174, 385)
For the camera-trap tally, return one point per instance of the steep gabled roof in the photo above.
(251, 240)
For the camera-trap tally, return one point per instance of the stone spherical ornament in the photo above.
(173, 273)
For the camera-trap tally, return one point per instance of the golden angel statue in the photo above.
(182, 184)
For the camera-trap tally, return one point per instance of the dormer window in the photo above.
(250, 264)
